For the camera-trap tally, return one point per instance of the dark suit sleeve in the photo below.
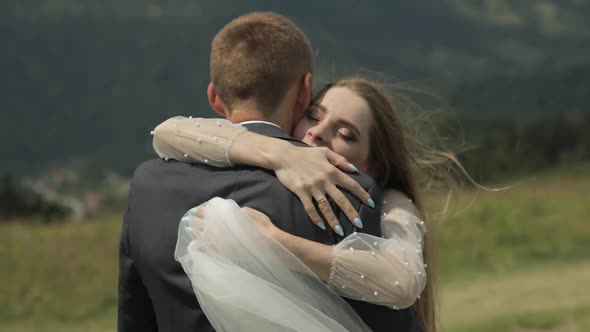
(372, 216)
(135, 311)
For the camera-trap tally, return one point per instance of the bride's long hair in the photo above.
(393, 166)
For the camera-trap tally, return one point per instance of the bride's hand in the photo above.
(195, 218)
(263, 222)
(314, 173)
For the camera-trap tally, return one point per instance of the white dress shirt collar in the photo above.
(257, 121)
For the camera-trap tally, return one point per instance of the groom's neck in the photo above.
(243, 115)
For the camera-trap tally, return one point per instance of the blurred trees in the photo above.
(83, 83)
(18, 201)
(504, 149)
(514, 124)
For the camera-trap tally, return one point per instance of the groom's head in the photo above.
(261, 66)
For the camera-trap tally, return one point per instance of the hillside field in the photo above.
(516, 261)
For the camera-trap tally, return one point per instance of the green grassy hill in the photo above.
(510, 261)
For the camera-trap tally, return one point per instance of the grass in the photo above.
(546, 297)
(513, 261)
(101, 322)
(516, 260)
(542, 220)
(59, 273)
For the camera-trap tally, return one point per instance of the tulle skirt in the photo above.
(246, 281)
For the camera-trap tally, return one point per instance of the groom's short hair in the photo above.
(258, 55)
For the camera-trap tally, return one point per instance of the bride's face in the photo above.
(340, 121)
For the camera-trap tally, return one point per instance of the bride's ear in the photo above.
(214, 101)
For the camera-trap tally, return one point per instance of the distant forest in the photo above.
(84, 82)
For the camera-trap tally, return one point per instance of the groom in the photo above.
(261, 66)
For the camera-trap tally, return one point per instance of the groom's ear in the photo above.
(304, 95)
(214, 101)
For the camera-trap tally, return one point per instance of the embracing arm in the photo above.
(387, 271)
(310, 173)
(218, 142)
(198, 140)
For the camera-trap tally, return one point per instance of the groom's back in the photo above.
(154, 290)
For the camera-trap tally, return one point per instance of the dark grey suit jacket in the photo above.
(154, 292)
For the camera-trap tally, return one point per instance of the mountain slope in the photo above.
(87, 78)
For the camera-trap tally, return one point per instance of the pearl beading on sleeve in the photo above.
(388, 271)
(197, 140)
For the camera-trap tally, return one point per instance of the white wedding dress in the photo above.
(245, 281)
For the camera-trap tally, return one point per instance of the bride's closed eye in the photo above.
(346, 134)
(313, 114)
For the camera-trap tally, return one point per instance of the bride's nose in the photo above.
(318, 135)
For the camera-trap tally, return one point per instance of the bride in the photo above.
(253, 276)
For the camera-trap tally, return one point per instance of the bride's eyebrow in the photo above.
(319, 107)
(344, 122)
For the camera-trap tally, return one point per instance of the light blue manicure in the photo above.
(321, 225)
(371, 203)
(339, 230)
(358, 222)
(353, 167)
(185, 219)
(193, 211)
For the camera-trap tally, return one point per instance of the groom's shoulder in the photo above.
(365, 181)
(146, 170)
(170, 167)
(150, 163)
(148, 166)
(154, 170)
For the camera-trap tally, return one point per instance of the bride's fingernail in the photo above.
(193, 211)
(185, 219)
(339, 230)
(358, 222)
(371, 203)
(353, 167)
(321, 225)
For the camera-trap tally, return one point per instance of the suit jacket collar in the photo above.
(269, 130)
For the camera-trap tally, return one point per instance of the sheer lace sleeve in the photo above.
(197, 140)
(387, 271)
